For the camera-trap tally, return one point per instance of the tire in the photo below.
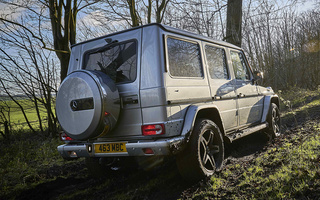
(273, 120)
(204, 153)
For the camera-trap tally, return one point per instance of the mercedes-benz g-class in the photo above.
(154, 91)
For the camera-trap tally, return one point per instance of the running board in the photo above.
(248, 131)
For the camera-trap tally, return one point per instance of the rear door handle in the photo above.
(240, 95)
(130, 100)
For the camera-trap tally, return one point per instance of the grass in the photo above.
(17, 119)
(297, 97)
(24, 161)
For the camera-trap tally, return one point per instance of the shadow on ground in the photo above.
(247, 146)
(124, 183)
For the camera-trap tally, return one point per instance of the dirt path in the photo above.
(163, 183)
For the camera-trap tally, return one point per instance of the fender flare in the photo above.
(191, 115)
(266, 105)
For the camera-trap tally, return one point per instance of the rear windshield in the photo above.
(118, 61)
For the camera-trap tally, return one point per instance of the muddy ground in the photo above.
(161, 183)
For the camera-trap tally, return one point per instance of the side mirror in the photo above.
(257, 76)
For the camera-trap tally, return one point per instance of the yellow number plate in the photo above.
(110, 147)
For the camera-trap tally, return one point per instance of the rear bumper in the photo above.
(159, 147)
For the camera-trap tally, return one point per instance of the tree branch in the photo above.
(33, 35)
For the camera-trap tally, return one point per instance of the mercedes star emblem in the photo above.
(74, 105)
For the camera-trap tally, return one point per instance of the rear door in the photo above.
(185, 80)
(221, 85)
(249, 102)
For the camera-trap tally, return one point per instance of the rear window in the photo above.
(216, 61)
(184, 58)
(118, 61)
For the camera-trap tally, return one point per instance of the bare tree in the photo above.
(283, 43)
(30, 71)
(63, 19)
(27, 32)
(137, 13)
(205, 17)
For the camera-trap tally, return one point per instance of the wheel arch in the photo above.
(195, 112)
(268, 100)
(212, 114)
(276, 100)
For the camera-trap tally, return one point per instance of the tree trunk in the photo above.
(234, 21)
(149, 7)
(38, 114)
(63, 31)
(6, 133)
(133, 13)
(64, 63)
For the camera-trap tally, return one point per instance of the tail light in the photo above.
(153, 129)
(64, 136)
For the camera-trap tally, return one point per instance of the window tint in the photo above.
(118, 61)
(216, 60)
(184, 58)
(239, 66)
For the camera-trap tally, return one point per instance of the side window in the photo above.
(239, 66)
(184, 58)
(118, 61)
(216, 60)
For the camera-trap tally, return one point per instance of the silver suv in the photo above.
(155, 91)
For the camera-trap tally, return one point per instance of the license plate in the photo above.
(110, 147)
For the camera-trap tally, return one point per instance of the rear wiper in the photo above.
(103, 48)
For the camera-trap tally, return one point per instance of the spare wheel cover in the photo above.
(79, 105)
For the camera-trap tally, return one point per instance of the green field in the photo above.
(17, 120)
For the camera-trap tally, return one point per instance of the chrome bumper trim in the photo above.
(160, 147)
